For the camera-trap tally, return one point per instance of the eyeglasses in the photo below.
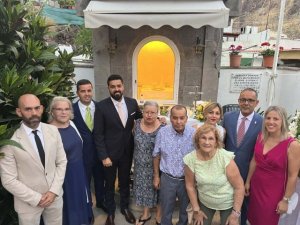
(244, 100)
(150, 113)
(61, 110)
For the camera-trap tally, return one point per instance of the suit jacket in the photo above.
(112, 139)
(23, 174)
(89, 149)
(243, 153)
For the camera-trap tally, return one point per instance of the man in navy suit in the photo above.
(93, 166)
(114, 120)
(253, 125)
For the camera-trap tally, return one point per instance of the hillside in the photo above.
(265, 13)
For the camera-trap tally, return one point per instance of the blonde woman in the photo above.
(213, 113)
(273, 169)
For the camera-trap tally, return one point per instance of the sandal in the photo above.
(157, 223)
(142, 222)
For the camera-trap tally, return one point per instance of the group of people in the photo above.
(247, 168)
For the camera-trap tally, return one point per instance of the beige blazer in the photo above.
(23, 174)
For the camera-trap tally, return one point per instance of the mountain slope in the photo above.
(265, 13)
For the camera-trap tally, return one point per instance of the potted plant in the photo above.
(235, 57)
(268, 52)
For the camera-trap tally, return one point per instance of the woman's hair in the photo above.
(53, 103)
(210, 106)
(284, 127)
(151, 103)
(204, 129)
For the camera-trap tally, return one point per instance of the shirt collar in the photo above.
(249, 117)
(82, 106)
(176, 133)
(117, 102)
(29, 130)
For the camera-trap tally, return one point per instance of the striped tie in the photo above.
(241, 131)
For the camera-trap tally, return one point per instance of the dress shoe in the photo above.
(128, 215)
(110, 220)
(101, 206)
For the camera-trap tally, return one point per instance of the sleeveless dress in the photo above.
(143, 191)
(77, 209)
(268, 183)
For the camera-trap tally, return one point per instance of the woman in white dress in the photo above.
(213, 113)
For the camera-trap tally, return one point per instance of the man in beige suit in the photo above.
(35, 175)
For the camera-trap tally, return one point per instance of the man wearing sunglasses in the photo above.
(242, 128)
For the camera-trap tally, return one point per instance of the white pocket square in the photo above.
(132, 113)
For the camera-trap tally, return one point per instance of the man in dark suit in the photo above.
(114, 120)
(244, 147)
(84, 110)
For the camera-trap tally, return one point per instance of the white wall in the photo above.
(84, 71)
(287, 88)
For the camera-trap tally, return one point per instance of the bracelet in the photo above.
(236, 213)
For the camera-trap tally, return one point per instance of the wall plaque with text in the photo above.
(240, 81)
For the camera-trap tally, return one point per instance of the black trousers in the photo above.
(96, 172)
(121, 167)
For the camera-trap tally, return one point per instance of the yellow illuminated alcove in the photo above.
(155, 72)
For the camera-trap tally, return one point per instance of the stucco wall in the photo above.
(286, 89)
(192, 65)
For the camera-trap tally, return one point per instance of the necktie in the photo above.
(241, 131)
(121, 113)
(88, 118)
(39, 146)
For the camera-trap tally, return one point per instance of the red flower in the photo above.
(265, 44)
(235, 50)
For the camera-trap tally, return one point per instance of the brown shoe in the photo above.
(110, 220)
(128, 215)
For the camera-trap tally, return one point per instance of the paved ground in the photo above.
(100, 216)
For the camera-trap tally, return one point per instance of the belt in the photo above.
(176, 178)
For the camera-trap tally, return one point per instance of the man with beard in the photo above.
(242, 128)
(35, 174)
(113, 123)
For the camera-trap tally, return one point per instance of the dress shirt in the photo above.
(172, 147)
(124, 107)
(247, 121)
(82, 109)
(30, 135)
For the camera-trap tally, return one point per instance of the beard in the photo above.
(32, 122)
(116, 95)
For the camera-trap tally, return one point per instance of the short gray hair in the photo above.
(59, 99)
(151, 103)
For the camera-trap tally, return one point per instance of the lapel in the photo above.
(79, 116)
(27, 145)
(249, 133)
(251, 128)
(47, 143)
(234, 126)
(129, 110)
